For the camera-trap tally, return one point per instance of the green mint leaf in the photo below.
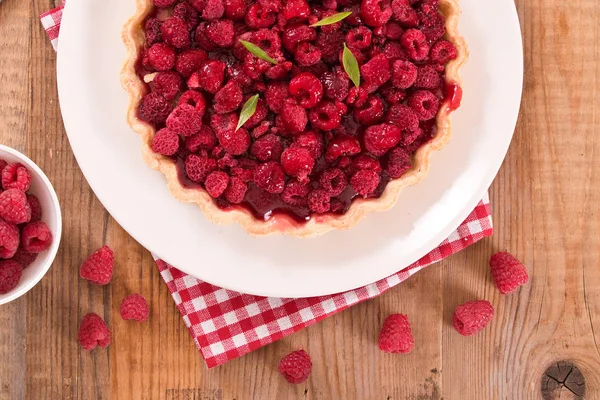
(351, 66)
(248, 111)
(332, 19)
(257, 51)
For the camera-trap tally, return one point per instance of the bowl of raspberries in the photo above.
(30, 224)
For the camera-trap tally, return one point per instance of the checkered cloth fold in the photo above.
(226, 324)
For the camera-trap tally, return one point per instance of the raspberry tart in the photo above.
(292, 116)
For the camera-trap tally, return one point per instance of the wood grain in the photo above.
(546, 203)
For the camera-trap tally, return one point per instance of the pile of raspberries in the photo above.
(314, 135)
(396, 335)
(22, 233)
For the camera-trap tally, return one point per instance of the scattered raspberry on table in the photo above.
(508, 272)
(471, 317)
(93, 332)
(396, 335)
(98, 268)
(296, 366)
(134, 307)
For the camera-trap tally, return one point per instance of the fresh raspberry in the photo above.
(216, 183)
(319, 201)
(194, 99)
(214, 9)
(404, 74)
(164, 3)
(14, 207)
(36, 237)
(165, 142)
(279, 71)
(175, 33)
(197, 167)
(270, 177)
(188, 14)
(359, 38)
(257, 17)
(442, 52)
(307, 89)
(434, 26)
(227, 161)
(396, 336)
(10, 275)
(336, 84)
(398, 163)
(311, 141)
(203, 140)
(427, 77)
(261, 129)
(211, 76)
(152, 30)
(254, 67)
(267, 148)
(377, 71)
(154, 108)
(330, 4)
(394, 51)
(404, 13)
(98, 267)
(235, 9)
(16, 176)
(295, 367)
(167, 83)
(161, 56)
(201, 38)
(342, 146)
(357, 96)
(236, 73)
(93, 332)
(331, 45)
(275, 96)
(228, 98)
(297, 162)
(333, 181)
(223, 122)
(415, 44)
(371, 112)
(198, 4)
(325, 116)
(294, 117)
(307, 54)
(298, 9)
(381, 138)
(9, 239)
(471, 317)
(185, 120)
(425, 104)
(259, 115)
(3, 165)
(363, 161)
(296, 34)
(236, 191)
(270, 6)
(295, 194)
(220, 32)
(134, 307)
(267, 40)
(190, 61)
(234, 142)
(35, 206)
(365, 182)
(508, 272)
(393, 96)
(217, 152)
(375, 12)
(392, 30)
(24, 258)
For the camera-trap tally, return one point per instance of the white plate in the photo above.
(93, 105)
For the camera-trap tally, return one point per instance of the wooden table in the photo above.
(546, 204)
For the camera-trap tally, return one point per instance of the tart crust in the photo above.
(134, 39)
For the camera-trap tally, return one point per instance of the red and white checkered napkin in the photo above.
(227, 324)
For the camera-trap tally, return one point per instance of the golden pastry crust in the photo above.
(134, 39)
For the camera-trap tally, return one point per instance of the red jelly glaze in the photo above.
(453, 96)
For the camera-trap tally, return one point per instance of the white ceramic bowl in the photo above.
(42, 188)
